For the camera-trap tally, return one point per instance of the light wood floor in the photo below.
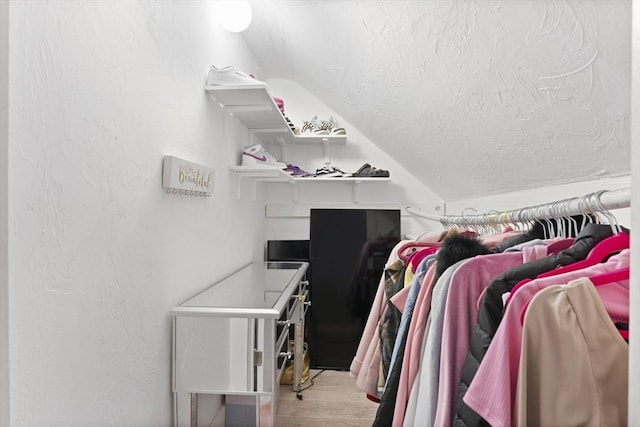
(332, 401)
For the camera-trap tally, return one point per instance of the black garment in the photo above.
(491, 309)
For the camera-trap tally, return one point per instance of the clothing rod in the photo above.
(601, 201)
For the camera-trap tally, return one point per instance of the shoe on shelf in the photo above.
(313, 127)
(293, 127)
(295, 171)
(328, 171)
(231, 76)
(322, 127)
(280, 103)
(255, 155)
(309, 125)
(368, 171)
(332, 127)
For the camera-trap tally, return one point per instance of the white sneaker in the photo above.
(257, 156)
(230, 76)
(331, 172)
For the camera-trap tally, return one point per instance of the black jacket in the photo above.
(491, 309)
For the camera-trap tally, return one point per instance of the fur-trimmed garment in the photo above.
(456, 247)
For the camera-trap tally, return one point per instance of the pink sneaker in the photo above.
(280, 103)
(255, 155)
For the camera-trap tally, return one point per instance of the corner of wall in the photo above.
(4, 194)
(634, 346)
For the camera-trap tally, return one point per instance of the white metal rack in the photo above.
(598, 202)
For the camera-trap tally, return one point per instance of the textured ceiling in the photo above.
(471, 97)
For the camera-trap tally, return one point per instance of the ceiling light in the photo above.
(235, 15)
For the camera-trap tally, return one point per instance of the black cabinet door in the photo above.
(348, 250)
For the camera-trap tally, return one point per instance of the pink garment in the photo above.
(365, 365)
(493, 389)
(461, 314)
(413, 346)
(400, 298)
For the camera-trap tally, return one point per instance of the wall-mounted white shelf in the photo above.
(277, 175)
(255, 108)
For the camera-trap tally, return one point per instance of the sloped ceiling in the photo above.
(471, 97)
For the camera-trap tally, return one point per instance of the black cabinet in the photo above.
(348, 249)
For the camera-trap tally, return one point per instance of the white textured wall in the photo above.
(99, 253)
(516, 94)
(4, 173)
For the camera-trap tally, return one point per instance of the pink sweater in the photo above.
(461, 313)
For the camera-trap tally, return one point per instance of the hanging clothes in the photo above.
(492, 392)
(453, 248)
(405, 301)
(459, 336)
(491, 310)
(387, 400)
(453, 314)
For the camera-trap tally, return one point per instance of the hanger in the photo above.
(408, 249)
(610, 277)
(599, 280)
(600, 252)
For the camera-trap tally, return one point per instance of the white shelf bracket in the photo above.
(254, 193)
(294, 191)
(239, 186)
(327, 151)
(226, 117)
(283, 148)
(356, 191)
